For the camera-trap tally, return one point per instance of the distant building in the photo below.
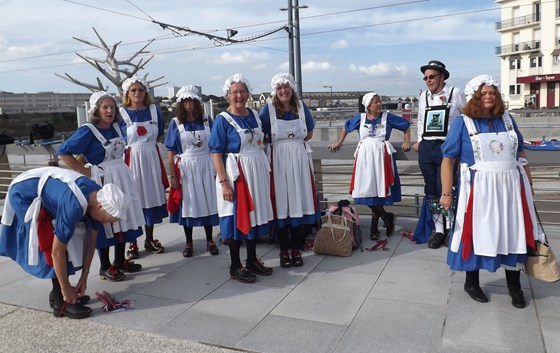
(42, 102)
(530, 51)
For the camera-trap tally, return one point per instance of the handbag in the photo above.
(343, 208)
(334, 237)
(542, 265)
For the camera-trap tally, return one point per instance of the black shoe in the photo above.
(72, 311)
(128, 266)
(436, 240)
(112, 274)
(476, 293)
(297, 260)
(389, 221)
(285, 260)
(188, 250)
(374, 230)
(446, 240)
(242, 275)
(258, 268)
(517, 299)
(212, 248)
(81, 300)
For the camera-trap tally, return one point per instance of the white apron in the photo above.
(256, 170)
(198, 190)
(369, 171)
(114, 170)
(75, 246)
(496, 192)
(291, 166)
(145, 158)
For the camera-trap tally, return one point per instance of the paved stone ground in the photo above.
(402, 300)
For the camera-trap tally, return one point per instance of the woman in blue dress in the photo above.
(288, 123)
(143, 128)
(66, 210)
(192, 171)
(495, 223)
(242, 179)
(101, 143)
(375, 179)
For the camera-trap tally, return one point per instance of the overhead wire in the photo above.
(253, 42)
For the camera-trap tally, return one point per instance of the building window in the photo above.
(514, 90)
(536, 61)
(556, 60)
(514, 64)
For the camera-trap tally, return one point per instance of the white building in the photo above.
(42, 102)
(530, 50)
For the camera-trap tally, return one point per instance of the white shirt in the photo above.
(457, 102)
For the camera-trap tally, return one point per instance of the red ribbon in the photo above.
(244, 204)
(389, 176)
(45, 234)
(529, 238)
(467, 238)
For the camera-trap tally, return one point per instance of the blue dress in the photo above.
(393, 122)
(458, 145)
(174, 143)
(289, 158)
(61, 204)
(225, 139)
(83, 141)
(148, 193)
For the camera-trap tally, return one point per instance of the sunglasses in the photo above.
(431, 77)
(139, 90)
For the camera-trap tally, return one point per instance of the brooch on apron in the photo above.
(198, 142)
(291, 135)
(496, 146)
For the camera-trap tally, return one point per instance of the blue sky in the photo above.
(350, 45)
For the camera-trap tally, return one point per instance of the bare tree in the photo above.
(116, 71)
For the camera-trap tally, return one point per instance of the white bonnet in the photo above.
(113, 200)
(129, 81)
(366, 99)
(473, 85)
(188, 91)
(280, 79)
(95, 97)
(236, 78)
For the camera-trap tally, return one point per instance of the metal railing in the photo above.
(332, 175)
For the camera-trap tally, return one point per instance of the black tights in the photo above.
(290, 238)
(378, 211)
(513, 279)
(189, 231)
(119, 255)
(234, 252)
(57, 291)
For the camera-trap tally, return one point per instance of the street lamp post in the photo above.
(331, 94)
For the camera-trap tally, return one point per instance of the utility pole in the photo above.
(294, 42)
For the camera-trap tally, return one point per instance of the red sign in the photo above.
(539, 78)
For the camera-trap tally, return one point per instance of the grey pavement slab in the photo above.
(286, 335)
(329, 297)
(394, 326)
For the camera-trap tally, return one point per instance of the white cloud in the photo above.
(229, 58)
(380, 70)
(311, 66)
(340, 44)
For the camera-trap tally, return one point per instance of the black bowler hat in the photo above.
(436, 65)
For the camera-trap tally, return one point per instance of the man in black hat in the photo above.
(445, 103)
